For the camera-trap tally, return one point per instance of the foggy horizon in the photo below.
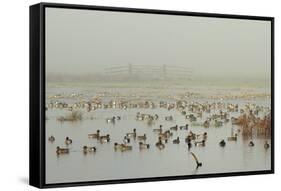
(83, 42)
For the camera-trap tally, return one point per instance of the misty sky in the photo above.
(87, 41)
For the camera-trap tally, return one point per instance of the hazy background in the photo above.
(86, 42)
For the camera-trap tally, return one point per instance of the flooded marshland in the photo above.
(117, 110)
(133, 95)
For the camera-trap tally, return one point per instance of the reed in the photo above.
(73, 116)
(254, 126)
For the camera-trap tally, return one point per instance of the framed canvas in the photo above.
(122, 95)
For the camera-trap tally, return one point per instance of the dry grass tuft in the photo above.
(73, 116)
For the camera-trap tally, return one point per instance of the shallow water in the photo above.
(174, 160)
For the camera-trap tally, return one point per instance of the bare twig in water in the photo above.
(196, 160)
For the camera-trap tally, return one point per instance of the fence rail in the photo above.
(162, 72)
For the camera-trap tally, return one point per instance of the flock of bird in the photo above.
(163, 136)
(218, 114)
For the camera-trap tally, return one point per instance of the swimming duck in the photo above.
(200, 143)
(122, 147)
(170, 106)
(218, 123)
(68, 141)
(184, 127)
(125, 147)
(205, 135)
(234, 121)
(156, 116)
(165, 139)
(111, 120)
(232, 138)
(191, 135)
(189, 145)
(266, 145)
(164, 136)
(206, 124)
(87, 149)
(89, 108)
(191, 118)
(200, 114)
(188, 139)
(139, 116)
(104, 139)
(169, 118)
(168, 133)
(158, 130)
(176, 141)
(143, 145)
(50, 105)
(251, 144)
(51, 138)
(222, 143)
(62, 150)
(117, 146)
(159, 144)
(175, 128)
(226, 120)
(126, 140)
(142, 137)
(134, 134)
(95, 135)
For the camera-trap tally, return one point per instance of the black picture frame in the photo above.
(37, 94)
